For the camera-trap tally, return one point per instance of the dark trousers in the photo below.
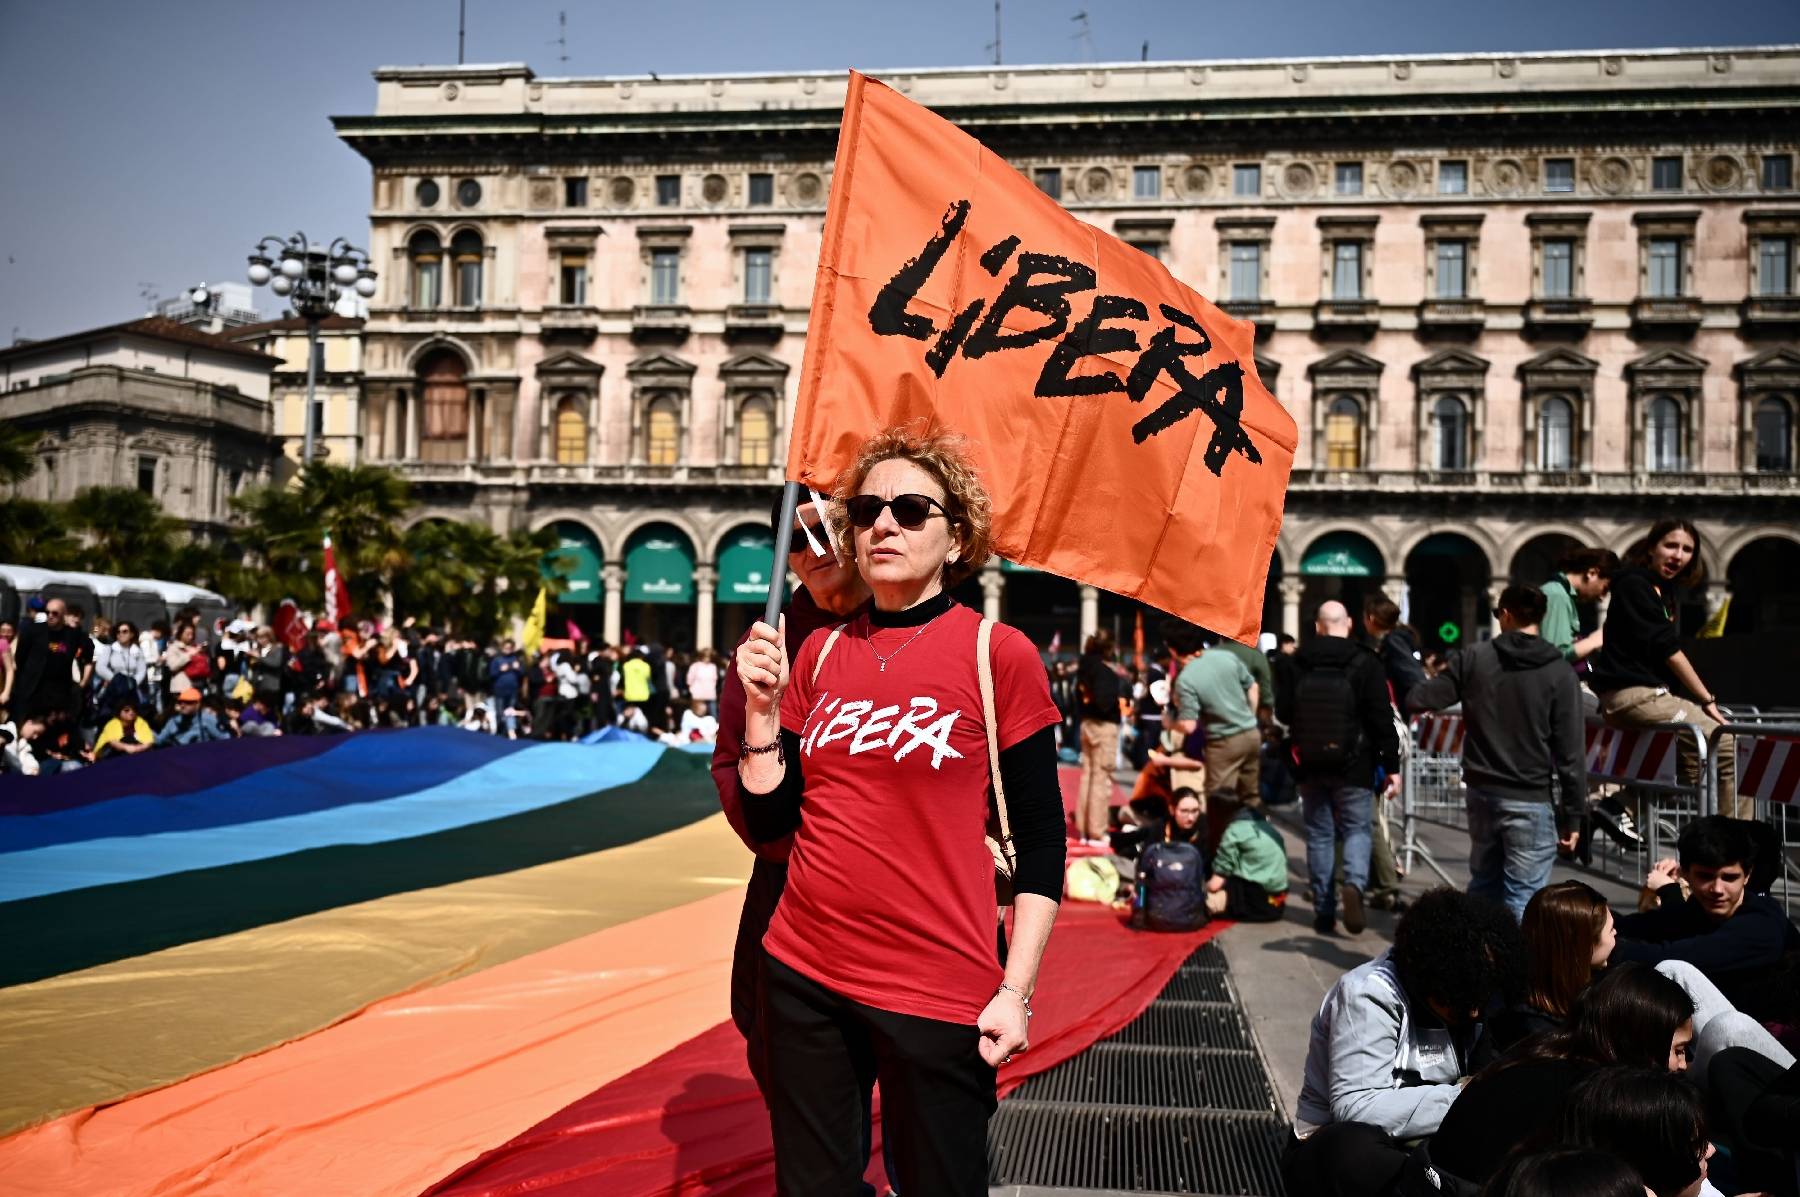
(767, 880)
(1345, 1159)
(825, 1051)
(1248, 902)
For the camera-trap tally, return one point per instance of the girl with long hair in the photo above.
(1641, 675)
(1568, 933)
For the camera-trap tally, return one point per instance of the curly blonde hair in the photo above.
(943, 455)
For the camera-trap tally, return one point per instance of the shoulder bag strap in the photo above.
(825, 651)
(984, 669)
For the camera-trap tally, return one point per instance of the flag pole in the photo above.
(784, 538)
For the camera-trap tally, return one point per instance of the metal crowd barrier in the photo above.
(1768, 777)
(1431, 784)
(1641, 763)
(1634, 766)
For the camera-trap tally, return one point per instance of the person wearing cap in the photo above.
(1524, 751)
(189, 724)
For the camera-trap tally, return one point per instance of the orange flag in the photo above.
(1115, 415)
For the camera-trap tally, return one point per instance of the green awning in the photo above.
(1341, 555)
(659, 568)
(746, 561)
(577, 560)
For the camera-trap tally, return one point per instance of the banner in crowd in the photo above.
(337, 593)
(1115, 414)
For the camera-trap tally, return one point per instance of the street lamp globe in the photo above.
(259, 271)
(344, 272)
(365, 284)
(281, 284)
(291, 267)
(199, 295)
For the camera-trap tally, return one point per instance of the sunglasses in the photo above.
(910, 511)
(800, 543)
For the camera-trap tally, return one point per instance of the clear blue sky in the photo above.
(151, 142)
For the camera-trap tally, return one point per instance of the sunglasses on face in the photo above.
(910, 511)
(801, 542)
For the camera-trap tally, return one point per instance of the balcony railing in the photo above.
(660, 322)
(1452, 315)
(1555, 481)
(1669, 315)
(753, 322)
(1346, 317)
(1770, 313)
(1566, 316)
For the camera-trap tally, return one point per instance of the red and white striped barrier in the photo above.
(1769, 768)
(1631, 754)
(1440, 735)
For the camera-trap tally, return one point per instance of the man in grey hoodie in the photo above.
(1524, 754)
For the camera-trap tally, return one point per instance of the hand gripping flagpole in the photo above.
(784, 539)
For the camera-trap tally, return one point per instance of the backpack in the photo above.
(1171, 888)
(1326, 732)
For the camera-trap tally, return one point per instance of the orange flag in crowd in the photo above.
(1114, 413)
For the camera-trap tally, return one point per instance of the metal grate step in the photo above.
(1130, 1074)
(1172, 1023)
(1199, 985)
(1135, 1148)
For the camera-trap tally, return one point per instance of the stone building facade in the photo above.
(177, 412)
(337, 386)
(1511, 301)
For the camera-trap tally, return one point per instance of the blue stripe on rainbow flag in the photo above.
(365, 767)
(538, 776)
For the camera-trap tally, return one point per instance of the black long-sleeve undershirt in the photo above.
(1033, 806)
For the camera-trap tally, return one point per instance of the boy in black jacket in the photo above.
(1742, 941)
(1523, 751)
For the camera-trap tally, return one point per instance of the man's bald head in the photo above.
(1333, 619)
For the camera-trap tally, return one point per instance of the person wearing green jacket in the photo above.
(1583, 576)
(1250, 871)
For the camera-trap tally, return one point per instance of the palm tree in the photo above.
(128, 532)
(18, 453)
(360, 507)
(37, 534)
(467, 577)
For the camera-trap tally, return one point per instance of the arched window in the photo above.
(427, 254)
(1773, 424)
(756, 431)
(1450, 434)
(662, 431)
(1556, 435)
(1343, 434)
(1662, 436)
(444, 392)
(571, 430)
(465, 252)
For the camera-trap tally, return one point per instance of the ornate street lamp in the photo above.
(311, 278)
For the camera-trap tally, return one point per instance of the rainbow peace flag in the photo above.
(405, 962)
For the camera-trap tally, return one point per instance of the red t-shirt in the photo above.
(890, 892)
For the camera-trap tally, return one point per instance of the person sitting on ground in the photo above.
(1569, 933)
(1633, 1015)
(1182, 825)
(1391, 1042)
(189, 724)
(1758, 1107)
(1741, 941)
(697, 726)
(125, 734)
(1249, 879)
(18, 746)
(1582, 576)
(1652, 1120)
(257, 718)
(1172, 872)
(1569, 1172)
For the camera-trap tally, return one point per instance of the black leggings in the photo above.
(937, 1093)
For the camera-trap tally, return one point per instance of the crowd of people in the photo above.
(1476, 1054)
(72, 693)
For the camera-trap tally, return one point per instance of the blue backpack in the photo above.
(1171, 888)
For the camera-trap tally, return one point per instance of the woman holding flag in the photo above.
(881, 955)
